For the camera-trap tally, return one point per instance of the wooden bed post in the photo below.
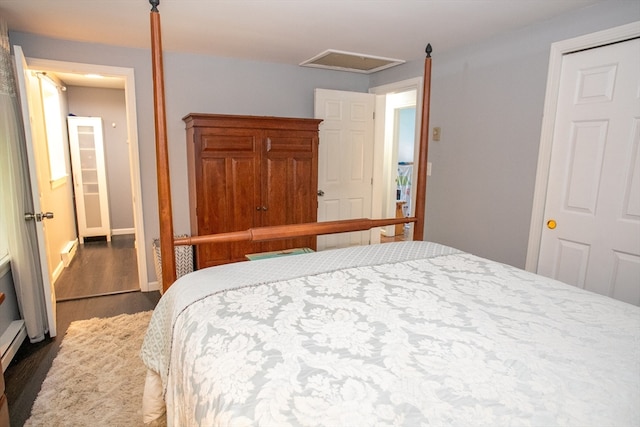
(421, 185)
(162, 156)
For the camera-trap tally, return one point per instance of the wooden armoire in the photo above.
(250, 171)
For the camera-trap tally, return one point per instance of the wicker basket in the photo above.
(184, 260)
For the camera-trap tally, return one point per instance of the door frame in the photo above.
(380, 187)
(132, 135)
(558, 50)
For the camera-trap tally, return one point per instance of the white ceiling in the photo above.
(284, 31)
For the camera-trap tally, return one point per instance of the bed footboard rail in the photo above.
(279, 232)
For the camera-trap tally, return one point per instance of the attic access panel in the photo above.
(349, 61)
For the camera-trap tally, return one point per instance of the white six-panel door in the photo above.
(591, 238)
(25, 86)
(345, 162)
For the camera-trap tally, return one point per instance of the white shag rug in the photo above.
(97, 378)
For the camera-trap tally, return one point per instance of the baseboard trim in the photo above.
(57, 272)
(105, 294)
(120, 231)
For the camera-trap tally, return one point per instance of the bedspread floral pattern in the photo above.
(452, 340)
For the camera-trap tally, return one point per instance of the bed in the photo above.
(407, 333)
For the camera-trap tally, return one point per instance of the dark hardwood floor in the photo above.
(100, 268)
(29, 367)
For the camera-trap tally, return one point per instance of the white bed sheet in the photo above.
(398, 334)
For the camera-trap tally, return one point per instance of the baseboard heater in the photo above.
(68, 252)
(11, 340)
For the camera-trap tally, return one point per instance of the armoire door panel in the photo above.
(290, 187)
(302, 143)
(226, 203)
(227, 142)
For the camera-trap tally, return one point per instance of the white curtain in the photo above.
(15, 200)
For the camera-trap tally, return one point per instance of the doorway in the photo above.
(79, 76)
(397, 129)
(390, 160)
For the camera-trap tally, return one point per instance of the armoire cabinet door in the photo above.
(289, 184)
(228, 193)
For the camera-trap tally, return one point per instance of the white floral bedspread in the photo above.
(445, 339)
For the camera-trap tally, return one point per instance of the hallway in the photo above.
(100, 268)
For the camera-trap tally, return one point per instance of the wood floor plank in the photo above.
(100, 267)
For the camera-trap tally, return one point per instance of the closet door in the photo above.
(289, 183)
(89, 177)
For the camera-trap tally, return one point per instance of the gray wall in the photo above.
(488, 98)
(109, 104)
(194, 83)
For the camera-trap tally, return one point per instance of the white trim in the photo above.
(559, 49)
(122, 231)
(55, 275)
(390, 62)
(132, 135)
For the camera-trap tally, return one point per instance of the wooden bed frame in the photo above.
(167, 240)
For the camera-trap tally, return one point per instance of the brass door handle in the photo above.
(551, 224)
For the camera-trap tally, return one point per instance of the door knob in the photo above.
(320, 193)
(551, 224)
(38, 216)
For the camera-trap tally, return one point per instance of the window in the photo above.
(55, 132)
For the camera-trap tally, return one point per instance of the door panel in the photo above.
(290, 168)
(345, 162)
(24, 83)
(229, 174)
(594, 177)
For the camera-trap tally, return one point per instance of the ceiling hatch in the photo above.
(349, 61)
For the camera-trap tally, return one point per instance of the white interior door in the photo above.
(592, 210)
(24, 77)
(345, 162)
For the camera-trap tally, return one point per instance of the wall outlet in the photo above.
(436, 133)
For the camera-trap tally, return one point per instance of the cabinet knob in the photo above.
(258, 208)
(264, 208)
